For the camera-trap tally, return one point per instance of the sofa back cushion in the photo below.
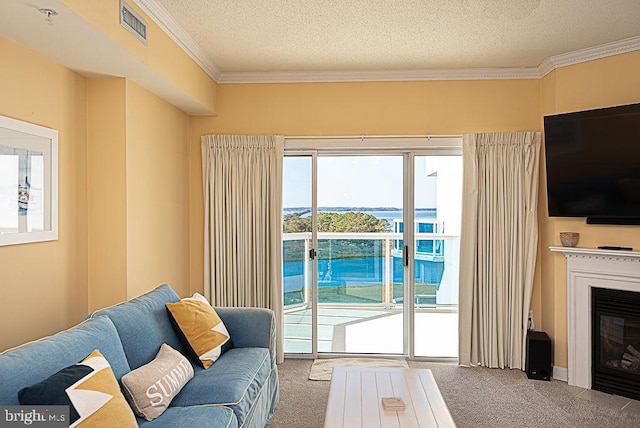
(143, 325)
(35, 361)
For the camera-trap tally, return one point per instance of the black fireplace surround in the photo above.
(615, 334)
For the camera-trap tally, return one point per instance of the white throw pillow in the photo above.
(150, 388)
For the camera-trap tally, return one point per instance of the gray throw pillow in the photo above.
(150, 388)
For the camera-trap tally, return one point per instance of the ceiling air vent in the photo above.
(130, 20)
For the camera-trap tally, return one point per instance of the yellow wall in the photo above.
(375, 108)
(601, 83)
(43, 285)
(546, 265)
(157, 174)
(106, 179)
(161, 53)
(139, 193)
(434, 107)
(123, 197)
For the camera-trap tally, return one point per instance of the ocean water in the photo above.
(340, 272)
(359, 271)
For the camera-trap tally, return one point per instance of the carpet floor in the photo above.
(476, 397)
(321, 369)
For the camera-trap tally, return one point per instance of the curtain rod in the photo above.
(368, 137)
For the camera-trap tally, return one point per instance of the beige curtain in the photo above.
(243, 222)
(498, 244)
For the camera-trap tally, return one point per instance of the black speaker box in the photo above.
(538, 360)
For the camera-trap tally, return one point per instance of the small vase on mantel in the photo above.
(569, 239)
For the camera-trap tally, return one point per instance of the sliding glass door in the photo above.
(360, 282)
(350, 283)
(297, 243)
(436, 249)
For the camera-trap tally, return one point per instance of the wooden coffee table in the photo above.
(356, 393)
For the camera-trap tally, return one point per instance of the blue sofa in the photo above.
(239, 390)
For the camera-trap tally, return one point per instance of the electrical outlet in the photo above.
(530, 324)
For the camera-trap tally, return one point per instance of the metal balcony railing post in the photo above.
(388, 292)
(307, 277)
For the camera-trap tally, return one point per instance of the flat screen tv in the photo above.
(593, 164)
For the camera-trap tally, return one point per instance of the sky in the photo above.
(353, 181)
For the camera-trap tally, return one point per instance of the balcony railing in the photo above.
(363, 268)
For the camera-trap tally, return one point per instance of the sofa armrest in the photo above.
(250, 327)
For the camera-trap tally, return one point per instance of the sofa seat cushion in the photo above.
(235, 380)
(35, 361)
(143, 325)
(193, 417)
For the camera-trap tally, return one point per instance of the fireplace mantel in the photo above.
(597, 253)
(588, 268)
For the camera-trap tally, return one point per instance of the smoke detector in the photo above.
(49, 14)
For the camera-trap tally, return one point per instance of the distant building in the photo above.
(426, 249)
(429, 253)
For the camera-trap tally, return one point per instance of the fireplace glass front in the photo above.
(616, 342)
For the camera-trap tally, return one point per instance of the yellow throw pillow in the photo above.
(202, 330)
(90, 390)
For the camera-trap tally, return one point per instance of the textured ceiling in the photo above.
(359, 35)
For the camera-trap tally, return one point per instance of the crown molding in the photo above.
(177, 33)
(545, 68)
(380, 75)
(589, 54)
(169, 25)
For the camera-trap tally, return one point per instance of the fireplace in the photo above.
(588, 270)
(616, 342)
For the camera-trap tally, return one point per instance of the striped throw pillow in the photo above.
(90, 390)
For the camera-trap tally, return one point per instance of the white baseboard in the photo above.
(560, 373)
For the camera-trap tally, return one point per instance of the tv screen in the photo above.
(593, 164)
